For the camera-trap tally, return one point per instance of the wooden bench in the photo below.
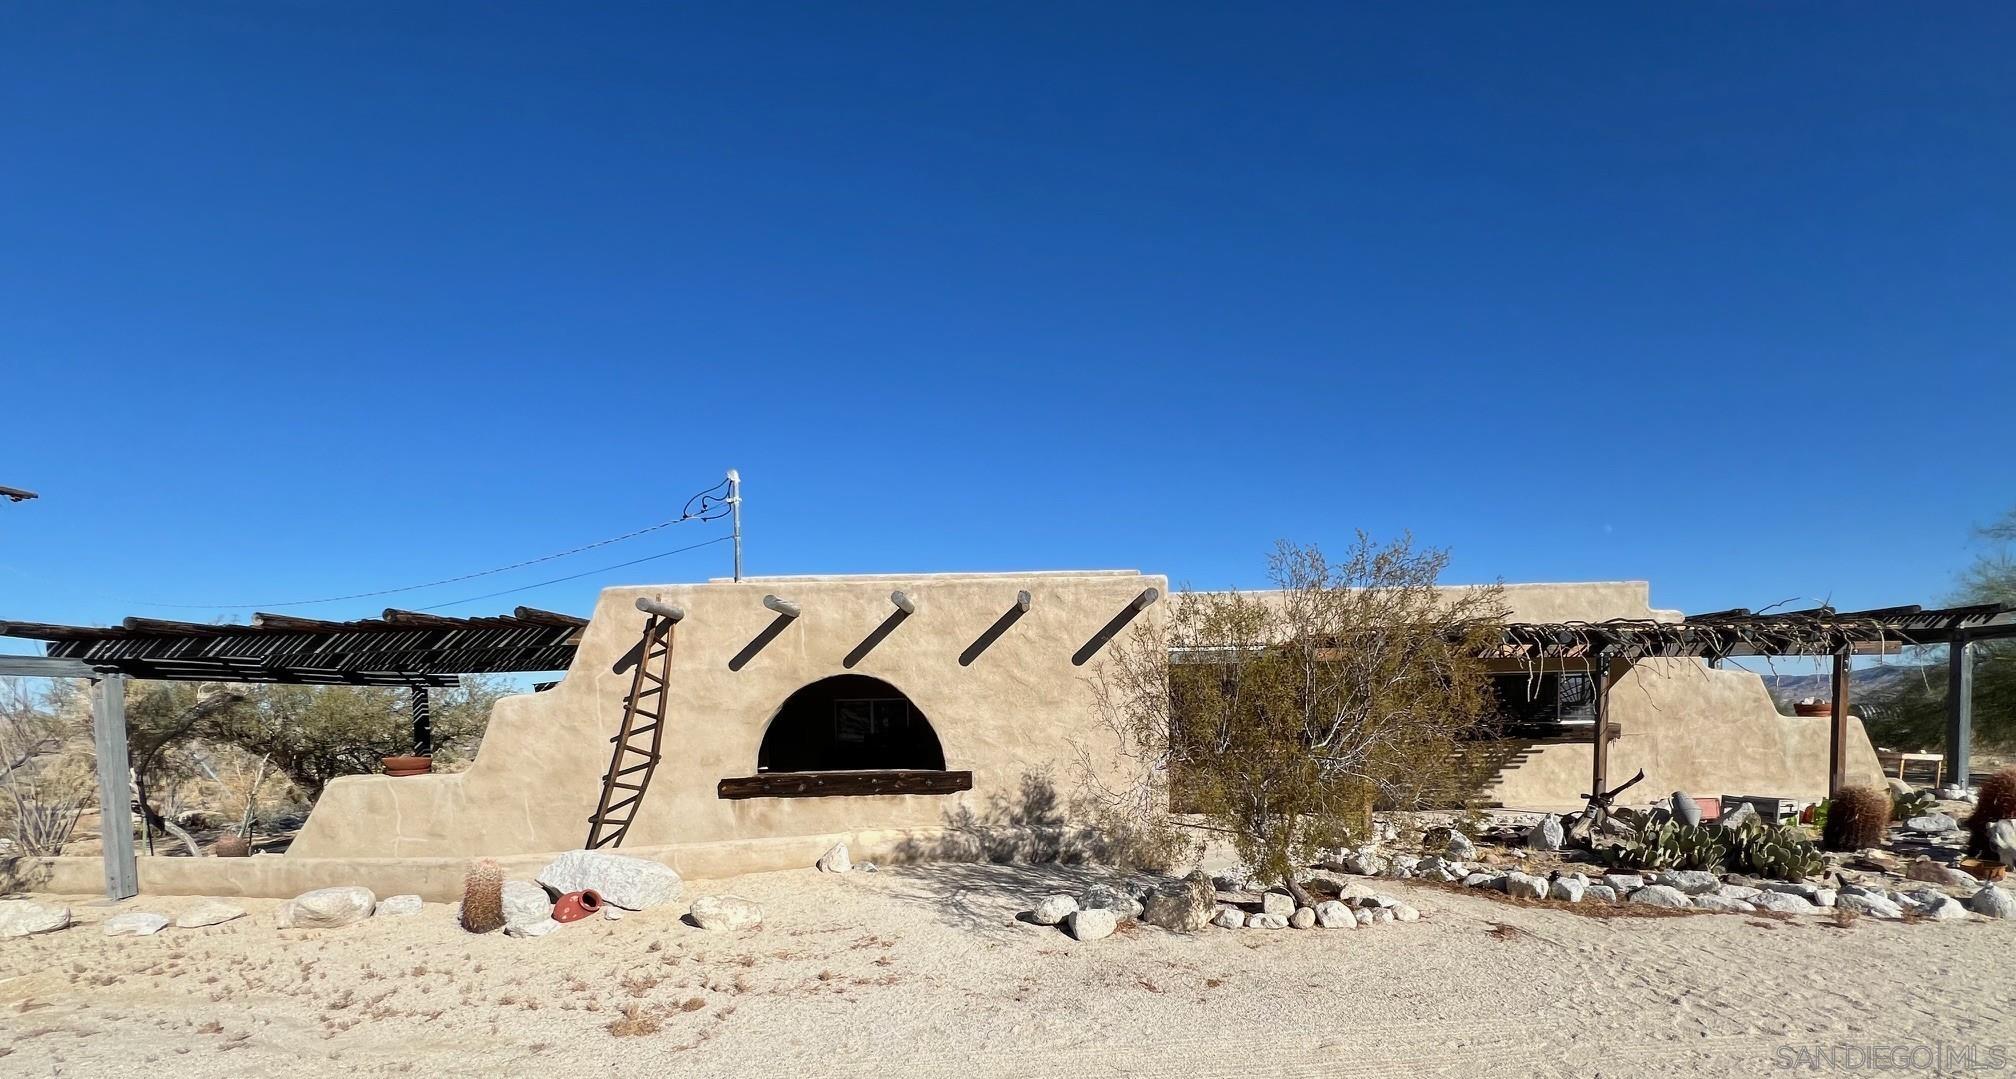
(1895, 761)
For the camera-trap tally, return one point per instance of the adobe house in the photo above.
(730, 726)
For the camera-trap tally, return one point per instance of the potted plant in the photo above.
(407, 765)
(1813, 706)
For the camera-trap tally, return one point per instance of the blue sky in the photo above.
(299, 300)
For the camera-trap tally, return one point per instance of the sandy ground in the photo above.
(926, 969)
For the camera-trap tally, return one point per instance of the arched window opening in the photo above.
(849, 722)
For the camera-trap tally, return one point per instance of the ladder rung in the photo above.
(619, 805)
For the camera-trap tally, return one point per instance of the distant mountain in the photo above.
(1862, 682)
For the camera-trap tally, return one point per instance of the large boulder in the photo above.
(525, 904)
(1184, 907)
(1277, 903)
(725, 912)
(327, 908)
(208, 912)
(630, 883)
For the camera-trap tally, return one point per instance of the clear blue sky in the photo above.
(312, 298)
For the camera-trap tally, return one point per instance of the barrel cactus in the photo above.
(1997, 802)
(483, 897)
(1857, 818)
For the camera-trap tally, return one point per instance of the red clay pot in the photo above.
(1824, 708)
(407, 766)
(575, 906)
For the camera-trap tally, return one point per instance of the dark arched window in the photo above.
(849, 722)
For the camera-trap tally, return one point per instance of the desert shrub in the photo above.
(483, 897)
(1857, 818)
(1997, 802)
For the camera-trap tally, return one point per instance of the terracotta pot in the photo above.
(1821, 709)
(231, 846)
(575, 906)
(408, 766)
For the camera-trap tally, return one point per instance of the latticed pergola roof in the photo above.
(1820, 631)
(400, 648)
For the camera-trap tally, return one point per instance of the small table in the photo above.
(1895, 759)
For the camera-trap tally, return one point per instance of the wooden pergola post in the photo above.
(423, 723)
(1837, 738)
(1959, 711)
(1599, 676)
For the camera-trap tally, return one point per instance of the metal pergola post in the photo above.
(115, 791)
(1959, 711)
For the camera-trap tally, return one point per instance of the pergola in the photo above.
(400, 648)
(1606, 649)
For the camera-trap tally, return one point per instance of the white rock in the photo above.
(532, 929)
(1460, 846)
(327, 908)
(1685, 809)
(1330, 914)
(612, 912)
(1738, 891)
(1783, 903)
(1691, 881)
(1941, 907)
(1723, 905)
(2002, 841)
(1481, 880)
(1266, 921)
(1624, 883)
(1229, 918)
(399, 905)
(22, 917)
(1093, 924)
(1738, 817)
(1525, 886)
(630, 883)
(1571, 887)
(1822, 897)
(137, 923)
(1365, 863)
(1436, 867)
(1403, 912)
(1600, 893)
(525, 904)
(1363, 916)
(1277, 903)
(1303, 918)
(208, 912)
(725, 912)
(1659, 895)
(835, 860)
(1382, 916)
(1993, 902)
(1547, 834)
(1053, 909)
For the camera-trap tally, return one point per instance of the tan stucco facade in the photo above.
(1021, 709)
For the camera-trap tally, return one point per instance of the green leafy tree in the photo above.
(314, 734)
(1289, 714)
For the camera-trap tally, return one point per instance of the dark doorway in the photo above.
(1539, 705)
(849, 722)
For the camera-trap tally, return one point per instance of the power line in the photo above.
(578, 576)
(709, 505)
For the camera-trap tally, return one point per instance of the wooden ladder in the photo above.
(631, 762)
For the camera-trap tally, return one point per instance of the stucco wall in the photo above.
(1020, 709)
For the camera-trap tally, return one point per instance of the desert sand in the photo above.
(926, 970)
